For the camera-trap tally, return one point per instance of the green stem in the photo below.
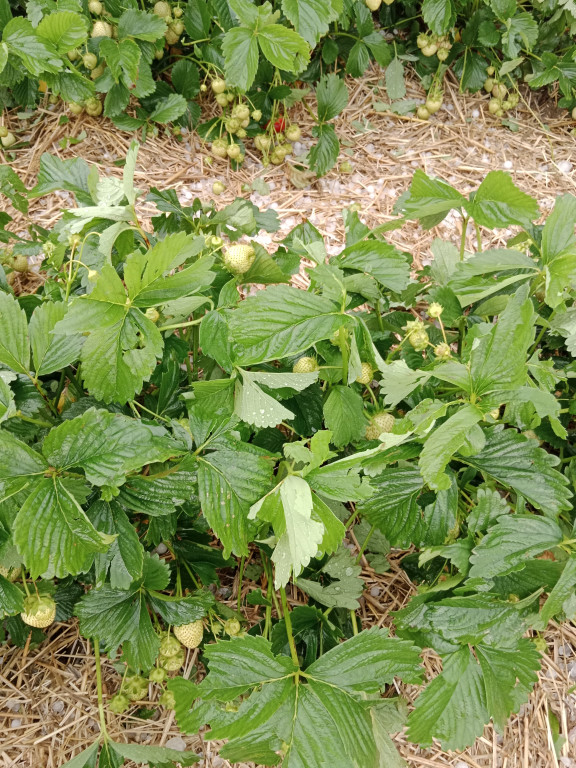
(478, 237)
(25, 584)
(354, 622)
(180, 325)
(365, 544)
(240, 579)
(99, 689)
(343, 343)
(288, 622)
(538, 340)
(30, 420)
(465, 221)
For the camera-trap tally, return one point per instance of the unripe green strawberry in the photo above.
(177, 12)
(136, 688)
(367, 374)
(233, 151)
(422, 113)
(422, 40)
(167, 700)
(232, 627)
(239, 258)
(101, 29)
(216, 242)
(12, 574)
(169, 646)
(38, 611)
(95, 7)
(346, 167)
(435, 309)
(573, 113)
(119, 703)
(305, 365)
(97, 71)
(218, 188)
(442, 54)
(177, 27)
(490, 71)
(173, 663)
(262, 142)
(488, 84)
(430, 49)
(218, 85)
(90, 60)
(190, 635)
(442, 351)
(8, 140)
(241, 112)
(73, 55)
(379, 423)
(20, 263)
(75, 108)
(94, 107)
(257, 115)
(162, 9)
(241, 133)
(293, 133)
(232, 125)
(499, 91)
(221, 99)
(373, 5)
(419, 340)
(171, 37)
(157, 675)
(3, 131)
(495, 413)
(219, 148)
(152, 314)
(433, 104)
(494, 106)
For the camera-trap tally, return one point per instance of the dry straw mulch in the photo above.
(47, 695)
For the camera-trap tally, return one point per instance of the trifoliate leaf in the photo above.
(498, 360)
(443, 443)
(50, 352)
(344, 415)
(381, 260)
(457, 704)
(124, 558)
(229, 481)
(107, 446)
(499, 203)
(53, 533)
(394, 508)
(289, 510)
(14, 345)
(281, 321)
(511, 542)
(280, 710)
(490, 505)
(519, 463)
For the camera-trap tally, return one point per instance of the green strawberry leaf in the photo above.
(519, 463)
(53, 533)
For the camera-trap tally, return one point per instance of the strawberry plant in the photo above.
(154, 64)
(162, 421)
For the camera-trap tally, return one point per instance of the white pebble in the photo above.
(375, 591)
(564, 166)
(507, 164)
(475, 113)
(58, 707)
(16, 723)
(161, 549)
(176, 742)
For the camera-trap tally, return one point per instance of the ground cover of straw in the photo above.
(48, 708)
